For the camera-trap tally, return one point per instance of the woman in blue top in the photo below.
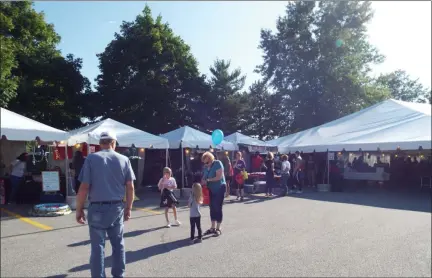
(214, 179)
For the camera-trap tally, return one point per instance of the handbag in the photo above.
(245, 174)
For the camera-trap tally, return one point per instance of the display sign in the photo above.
(260, 149)
(331, 156)
(50, 181)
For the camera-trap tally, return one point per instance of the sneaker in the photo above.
(177, 223)
(237, 198)
(168, 225)
(241, 199)
(198, 240)
(192, 241)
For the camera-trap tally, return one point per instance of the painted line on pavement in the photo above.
(27, 220)
(150, 210)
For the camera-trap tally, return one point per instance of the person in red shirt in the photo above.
(257, 162)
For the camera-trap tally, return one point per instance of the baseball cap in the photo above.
(108, 135)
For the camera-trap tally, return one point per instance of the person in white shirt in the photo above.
(285, 174)
(17, 172)
(166, 185)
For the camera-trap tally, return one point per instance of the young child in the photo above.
(195, 201)
(166, 185)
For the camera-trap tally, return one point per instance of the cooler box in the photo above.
(206, 196)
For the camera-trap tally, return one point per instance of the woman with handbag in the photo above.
(214, 179)
(239, 165)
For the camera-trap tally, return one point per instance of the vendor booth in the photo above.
(42, 172)
(254, 151)
(362, 140)
(131, 141)
(250, 146)
(190, 142)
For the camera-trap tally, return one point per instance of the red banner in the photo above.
(59, 153)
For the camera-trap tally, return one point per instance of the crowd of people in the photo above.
(111, 177)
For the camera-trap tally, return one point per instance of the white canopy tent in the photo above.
(187, 137)
(385, 126)
(126, 135)
(252, 143)
(16, 127)
(238, 138)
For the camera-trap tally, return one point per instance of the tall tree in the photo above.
(35, 80)
(262, 115)
(149, 78)
(403, 87)
(318, 61)
(228, 101)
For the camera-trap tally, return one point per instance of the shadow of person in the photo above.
(142, 254)
(126, 235)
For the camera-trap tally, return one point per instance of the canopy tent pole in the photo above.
(182, 158)
(67, 174)
(328, 168)
(166, 158)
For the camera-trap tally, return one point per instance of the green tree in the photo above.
(36, 81)
(229, 103)
(262, 116)
(24, 36)
(403, 87)
(149, 78)
(319, 60)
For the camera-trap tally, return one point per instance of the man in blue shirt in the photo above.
(106, 177)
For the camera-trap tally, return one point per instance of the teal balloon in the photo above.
(217, 136)
(339, 43)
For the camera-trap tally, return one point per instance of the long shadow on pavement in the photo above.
(408, 200)
(142, 254)
(126, 235)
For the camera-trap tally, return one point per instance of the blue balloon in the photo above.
(217, 136)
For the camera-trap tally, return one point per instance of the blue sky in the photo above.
(231, 30)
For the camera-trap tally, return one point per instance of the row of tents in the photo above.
(386, 126)
(15, 127)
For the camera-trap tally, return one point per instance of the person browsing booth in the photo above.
(106, 177)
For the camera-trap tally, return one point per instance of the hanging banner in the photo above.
(59, 153)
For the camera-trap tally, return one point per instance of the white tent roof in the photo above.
(191, 138)
(126, 135)
(19, 128)
(386, 125)
(238, 138)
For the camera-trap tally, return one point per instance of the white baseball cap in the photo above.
(108, 135)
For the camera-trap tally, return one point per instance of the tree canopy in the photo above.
(36, 80)
(149, 78)
(316, 68)
(319, 61)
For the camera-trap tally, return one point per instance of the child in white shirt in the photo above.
(166, 185)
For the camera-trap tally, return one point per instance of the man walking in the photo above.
(106, 177)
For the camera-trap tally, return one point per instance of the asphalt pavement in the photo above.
(313, 235)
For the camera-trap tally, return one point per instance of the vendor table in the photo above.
(261, 175)
(258, 183)
(30, 190)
